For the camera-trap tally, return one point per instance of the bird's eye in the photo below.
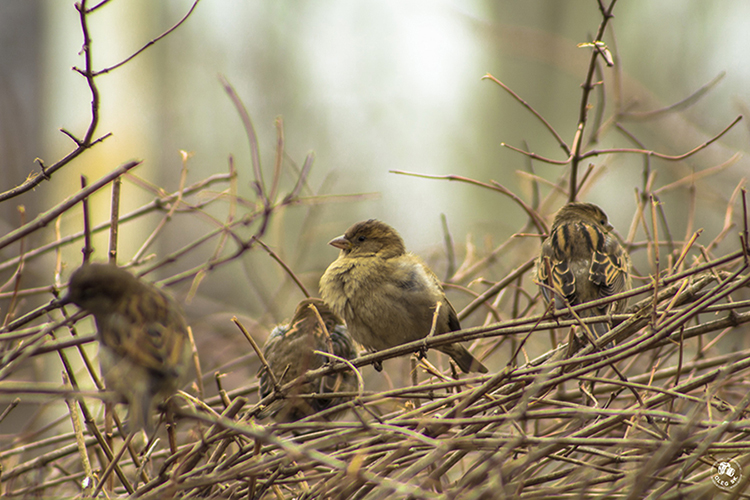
(361, 239)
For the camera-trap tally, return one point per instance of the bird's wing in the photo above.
(155, 345)
(556, 274)
(422, 287)
(564, 281)
(276, 337)
(453, 324)
(343, 346)
(609, 271)
(149, 331)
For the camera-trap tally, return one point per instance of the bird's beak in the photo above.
(340, 242)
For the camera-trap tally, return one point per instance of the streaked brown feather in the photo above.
(582, 261)
(144, 350)
(289, 352)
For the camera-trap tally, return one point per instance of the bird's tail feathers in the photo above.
(463, 358)
(139, 415)
(598, 329)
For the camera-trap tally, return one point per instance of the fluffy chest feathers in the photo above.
(385, 302)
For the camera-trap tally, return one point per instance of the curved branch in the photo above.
(50, 215)
(661, 155)
(648, 152)
(525, 104)
(149, 44)
(535, 218)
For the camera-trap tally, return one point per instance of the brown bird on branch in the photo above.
(581, 261)
(387, 296)
(144, 348)
(289, 352)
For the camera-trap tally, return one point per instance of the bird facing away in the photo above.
(387, 296)
(289, 351)
(144, 349)
(582, 261)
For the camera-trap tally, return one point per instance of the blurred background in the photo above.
(370, 87)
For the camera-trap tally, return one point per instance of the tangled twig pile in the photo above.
(556, 417)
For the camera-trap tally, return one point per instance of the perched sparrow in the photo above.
(387, 296)
(581, 261)
(289, 352)
(144, 350)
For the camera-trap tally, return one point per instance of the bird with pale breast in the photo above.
(581, 260)
(144, 348)
(290, 352)
(388, 296)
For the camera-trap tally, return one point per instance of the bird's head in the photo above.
(306, 312)
(577, 211)
(368, 238)
(97, 288)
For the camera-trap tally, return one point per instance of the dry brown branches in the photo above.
(670, 397)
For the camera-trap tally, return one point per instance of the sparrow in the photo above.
(289, 352)
(144, 349)
(387, 296)
(581, 261)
